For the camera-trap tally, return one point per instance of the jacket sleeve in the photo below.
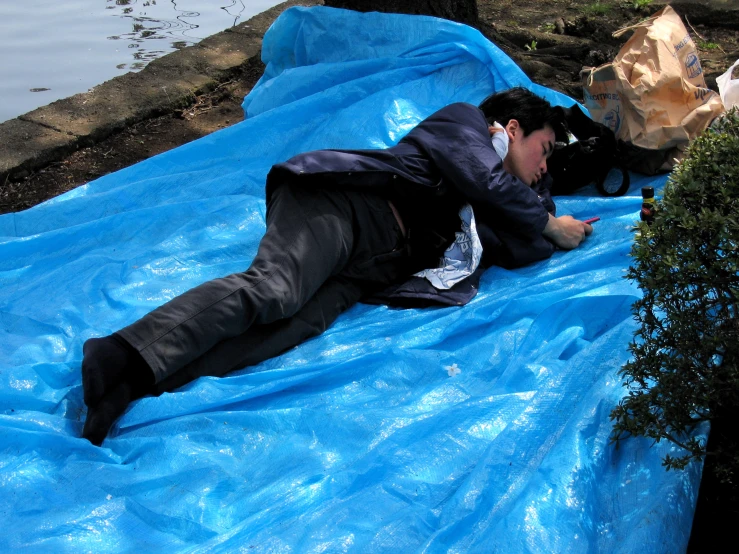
(457, 140)
(544, 189)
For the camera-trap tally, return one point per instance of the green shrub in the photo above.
(685, 365)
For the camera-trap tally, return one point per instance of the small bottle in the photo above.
(648, 207)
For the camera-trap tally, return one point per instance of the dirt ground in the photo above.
(550, 40)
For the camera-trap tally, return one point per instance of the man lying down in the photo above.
(467, 186)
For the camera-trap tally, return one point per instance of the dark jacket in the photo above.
(450, 150)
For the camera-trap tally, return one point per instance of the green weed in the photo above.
(707, 45)
(596, 8)
(547, 27)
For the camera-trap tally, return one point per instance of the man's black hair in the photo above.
(531, 111)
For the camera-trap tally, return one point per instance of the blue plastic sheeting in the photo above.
(358, 440)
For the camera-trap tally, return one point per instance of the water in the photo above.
(51, 49)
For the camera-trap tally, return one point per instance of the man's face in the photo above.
(527, 155)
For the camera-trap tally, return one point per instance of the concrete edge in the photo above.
(50, 133)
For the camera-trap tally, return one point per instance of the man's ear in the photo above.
(513, 129)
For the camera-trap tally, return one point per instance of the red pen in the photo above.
(591, 220)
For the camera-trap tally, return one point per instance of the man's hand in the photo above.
(566, 231)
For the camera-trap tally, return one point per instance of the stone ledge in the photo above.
(27, 146)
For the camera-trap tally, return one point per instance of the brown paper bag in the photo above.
(653, 95)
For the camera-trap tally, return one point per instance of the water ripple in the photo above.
(60, 49)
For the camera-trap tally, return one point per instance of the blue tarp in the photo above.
(359, 440)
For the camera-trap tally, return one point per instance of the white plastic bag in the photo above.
(728, 88)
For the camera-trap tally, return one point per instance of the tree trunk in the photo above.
(463, 11)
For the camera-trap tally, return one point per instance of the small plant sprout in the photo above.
(640, 4)
(596, 8)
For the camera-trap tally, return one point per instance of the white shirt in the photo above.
(462, 257)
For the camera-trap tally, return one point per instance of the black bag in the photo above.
(594, 158)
